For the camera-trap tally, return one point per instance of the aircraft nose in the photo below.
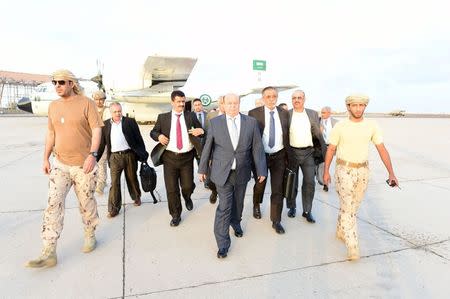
(25, 104)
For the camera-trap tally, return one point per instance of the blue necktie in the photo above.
(272, 130)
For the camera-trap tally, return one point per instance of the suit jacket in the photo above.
(333, 121)
(219, 149)
(132, 135)
(320, 147)
(259, 115)
(164, 122)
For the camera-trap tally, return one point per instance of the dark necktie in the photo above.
(272, 130)
(179, 138)
(200, 119)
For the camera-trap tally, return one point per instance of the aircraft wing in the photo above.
(170, 71)
(258, 90)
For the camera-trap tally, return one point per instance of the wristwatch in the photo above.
(95, 154)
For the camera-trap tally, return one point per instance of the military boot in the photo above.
(89, 240)
(46, 259)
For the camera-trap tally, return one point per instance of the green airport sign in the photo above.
(205, 99)
(259, 65)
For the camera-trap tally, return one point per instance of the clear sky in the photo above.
(396, 51)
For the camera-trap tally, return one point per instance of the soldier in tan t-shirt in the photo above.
(351, 138)
(73, 135)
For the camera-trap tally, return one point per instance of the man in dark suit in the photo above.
(232, 144)
(274, 129)
(180, 131)
(307, 148)
(201, 116)
(125, 147)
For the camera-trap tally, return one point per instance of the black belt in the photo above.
(178, 154)
(122, 152)
(302, 148)
(275, 154)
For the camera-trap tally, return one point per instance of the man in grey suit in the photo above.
(326, 124)
(233, 142)
(306, 150)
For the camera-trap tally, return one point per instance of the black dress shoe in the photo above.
(213, 198)
(278, 228)
(112, 214)
(291, 213)
(222, 253)
(256, 212)
(189, 204)
(175, 221)
(325, 188)
(238, 232)
(309, 217)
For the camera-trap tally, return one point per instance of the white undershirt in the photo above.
(300, 130)
(118, 141)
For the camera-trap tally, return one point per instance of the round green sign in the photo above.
(206, 99)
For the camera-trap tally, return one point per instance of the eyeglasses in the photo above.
(60, 82)
(297, 98)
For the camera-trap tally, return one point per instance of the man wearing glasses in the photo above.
(351, 138)
(73, 135)
(306, 147)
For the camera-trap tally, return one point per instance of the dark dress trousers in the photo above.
(304, 158)
(178, 168)
(204, 116)
(123, 161)
(276, 164)
(231, 184)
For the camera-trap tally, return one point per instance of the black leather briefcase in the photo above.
(289, 183)
(148, 179)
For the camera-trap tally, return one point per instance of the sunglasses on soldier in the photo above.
(60, 82)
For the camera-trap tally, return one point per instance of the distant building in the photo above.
(14, 86)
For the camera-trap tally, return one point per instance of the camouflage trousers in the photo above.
(61, 179)
(102, 167)
(351, 183)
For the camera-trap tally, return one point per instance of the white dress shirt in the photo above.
(172, 146)
(230, 130)
(278, 132)
(118, 141)
(300, 130)
(201, 115)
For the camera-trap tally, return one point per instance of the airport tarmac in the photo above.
(404, 233)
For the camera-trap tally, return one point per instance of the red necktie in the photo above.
(179, 139)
